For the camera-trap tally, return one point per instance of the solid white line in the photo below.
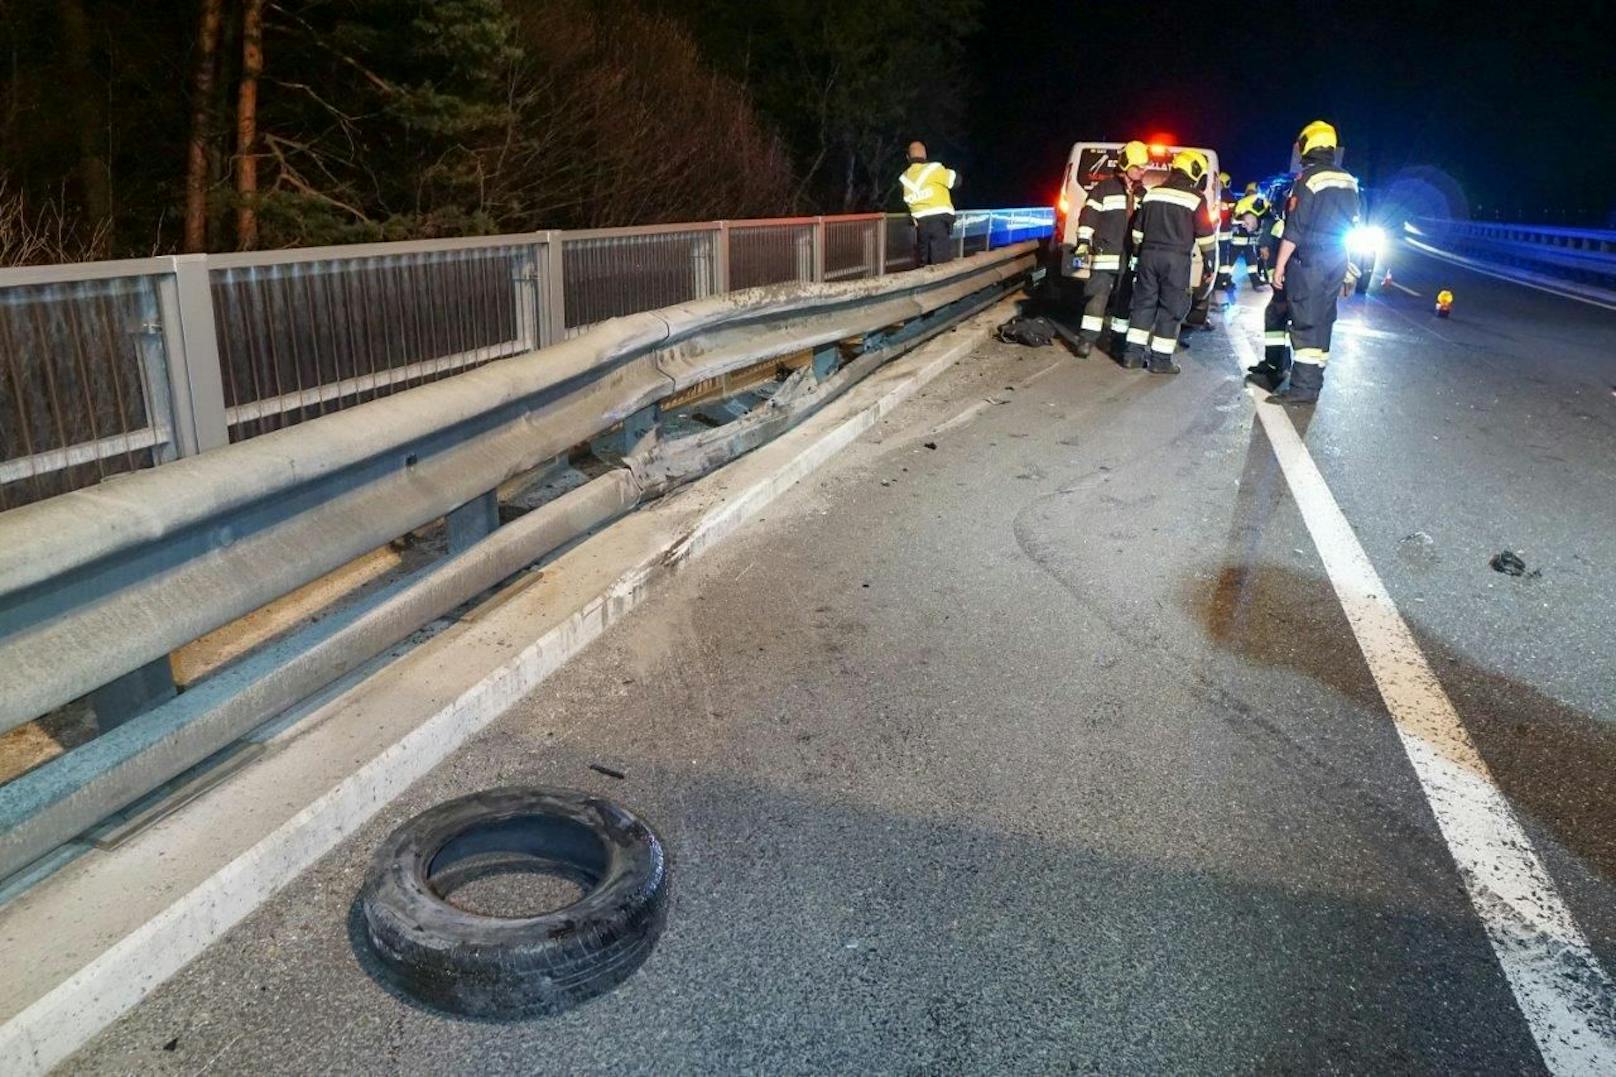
(1405, 289)
(1566, 997)
(1476, 267)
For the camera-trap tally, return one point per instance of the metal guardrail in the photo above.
(99, 585)
(113, 367)
(1581, 256)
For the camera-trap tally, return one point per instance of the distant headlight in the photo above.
(1366, 239)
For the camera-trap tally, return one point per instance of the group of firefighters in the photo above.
(1137, 244)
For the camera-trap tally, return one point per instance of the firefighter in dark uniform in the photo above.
(1312, 263)
(1172, 222)
(1226, 212)
(1276, 361)
(1102, 243)
(1248, 217)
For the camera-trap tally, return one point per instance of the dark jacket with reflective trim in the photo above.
(1173, 217)
(1322, 208)
(1104, 221)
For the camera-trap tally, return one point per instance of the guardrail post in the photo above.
(139, 690)
(191, 348)
(553, 323)
(819, 249)
(721, 258)
(875, 247)
(473, 522)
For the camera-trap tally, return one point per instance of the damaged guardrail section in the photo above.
(99, 584)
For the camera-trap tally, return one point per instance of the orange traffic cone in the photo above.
(1387, 279)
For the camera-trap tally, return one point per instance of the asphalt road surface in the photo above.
(1052, 749)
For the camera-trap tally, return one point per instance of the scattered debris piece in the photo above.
(864, 585)
(608, 771)
(1031, 332)
(172, 1045)
(1510, 564)
(1419, 538)
(931, 445)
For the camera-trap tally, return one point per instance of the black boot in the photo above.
(1265, 375)
(1133, 358)
(1084, 347)
(1162, 364)
(1306, 381)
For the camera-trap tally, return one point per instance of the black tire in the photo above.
(486, 966)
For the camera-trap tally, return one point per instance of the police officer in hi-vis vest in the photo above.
(927, 191)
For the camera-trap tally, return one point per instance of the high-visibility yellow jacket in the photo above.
(925, 188)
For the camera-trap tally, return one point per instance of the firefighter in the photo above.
(1248, 217)
(1276, 361)
(927, 188)
(1102, 243)
(1226, 212)
(1172, 221)
(1312, 261)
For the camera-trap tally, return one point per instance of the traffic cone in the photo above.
(1387, 279)
(1444, 303)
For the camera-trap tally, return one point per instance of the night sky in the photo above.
(1515, 103)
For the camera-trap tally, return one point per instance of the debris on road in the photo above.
(1510, 564)
(1418, 548)
(488, 966)
(931, 445)
(608, 771)
(1033, 332)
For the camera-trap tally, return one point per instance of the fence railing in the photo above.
(1577, 256)
(113, 367)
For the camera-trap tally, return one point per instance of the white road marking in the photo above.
(982, 405)
(1568, 1000)
(1405, 289)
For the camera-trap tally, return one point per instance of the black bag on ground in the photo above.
(1032, 332)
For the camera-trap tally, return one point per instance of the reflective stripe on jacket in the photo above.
(925, 188)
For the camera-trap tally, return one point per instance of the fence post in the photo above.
(553, 323)
(191, 347)
(526, 283)
(819, 249)
(721, 258)
(875, 245)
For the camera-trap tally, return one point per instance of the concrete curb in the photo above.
(123, 966)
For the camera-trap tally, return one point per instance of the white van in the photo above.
(1091, 162)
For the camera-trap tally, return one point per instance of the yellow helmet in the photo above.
(1251, 188)
(1133, 155)
(1316, 136)
(1190, 162)
(1254, 204)
(1223, 179)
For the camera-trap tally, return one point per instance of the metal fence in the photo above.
(1576, 255)
(111, 367)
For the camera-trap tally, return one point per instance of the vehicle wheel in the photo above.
(488, 966)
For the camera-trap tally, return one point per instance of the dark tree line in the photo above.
(165, 125)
